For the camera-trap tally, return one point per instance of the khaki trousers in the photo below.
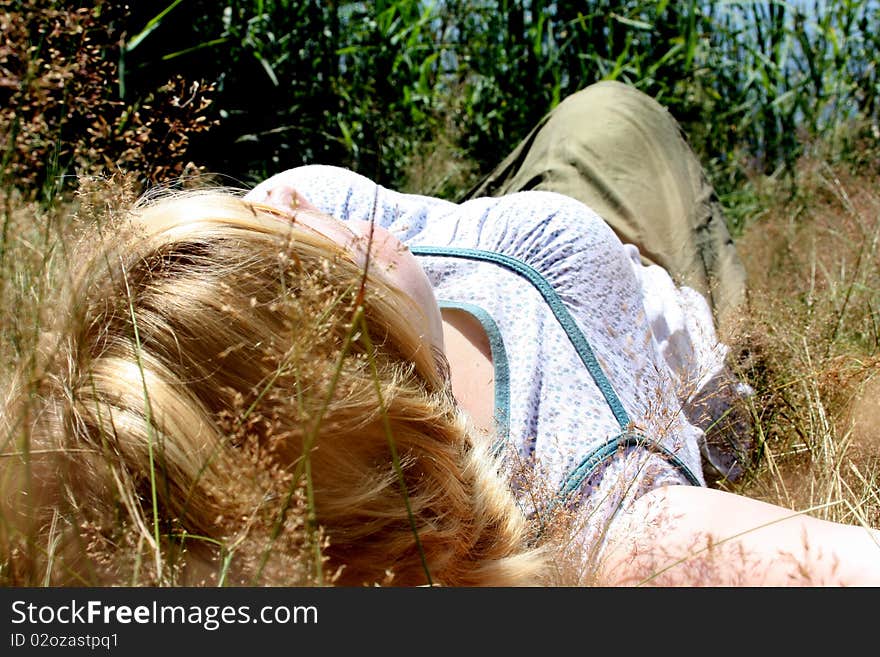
(621, 153)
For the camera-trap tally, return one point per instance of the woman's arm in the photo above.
(691, 536)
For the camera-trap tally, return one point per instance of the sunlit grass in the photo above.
(757, 84)
(815, 290)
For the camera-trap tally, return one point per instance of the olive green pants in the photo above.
(622, 154)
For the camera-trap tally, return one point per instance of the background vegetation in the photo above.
(778, 99)
(380, 87)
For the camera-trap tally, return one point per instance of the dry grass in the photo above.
(810, 347)
(814, 335)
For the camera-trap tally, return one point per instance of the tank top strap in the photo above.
(628, 436)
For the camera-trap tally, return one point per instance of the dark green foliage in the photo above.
(298, 82)
(374, 86)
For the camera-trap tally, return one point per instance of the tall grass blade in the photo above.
(150, 27)
(150, 428)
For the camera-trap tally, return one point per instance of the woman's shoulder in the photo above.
(348, 195)
(540, 228)
(558, 236)
(537, 219)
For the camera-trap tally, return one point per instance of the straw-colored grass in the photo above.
(810, 346)
(814, 336)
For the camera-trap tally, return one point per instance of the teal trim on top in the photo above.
(578, 341)
(596, 457)
(499, 364)
(605, 451)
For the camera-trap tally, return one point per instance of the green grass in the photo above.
(754, 83)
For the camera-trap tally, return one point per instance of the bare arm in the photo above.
(692, 536)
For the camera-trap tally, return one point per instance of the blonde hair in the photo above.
(249, 406)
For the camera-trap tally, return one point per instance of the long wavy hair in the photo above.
(225, 396)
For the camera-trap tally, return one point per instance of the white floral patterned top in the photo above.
(540, 269)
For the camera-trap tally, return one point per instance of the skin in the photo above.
(676, 535)
(388, 256)
(455, 333)
(665, 535)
